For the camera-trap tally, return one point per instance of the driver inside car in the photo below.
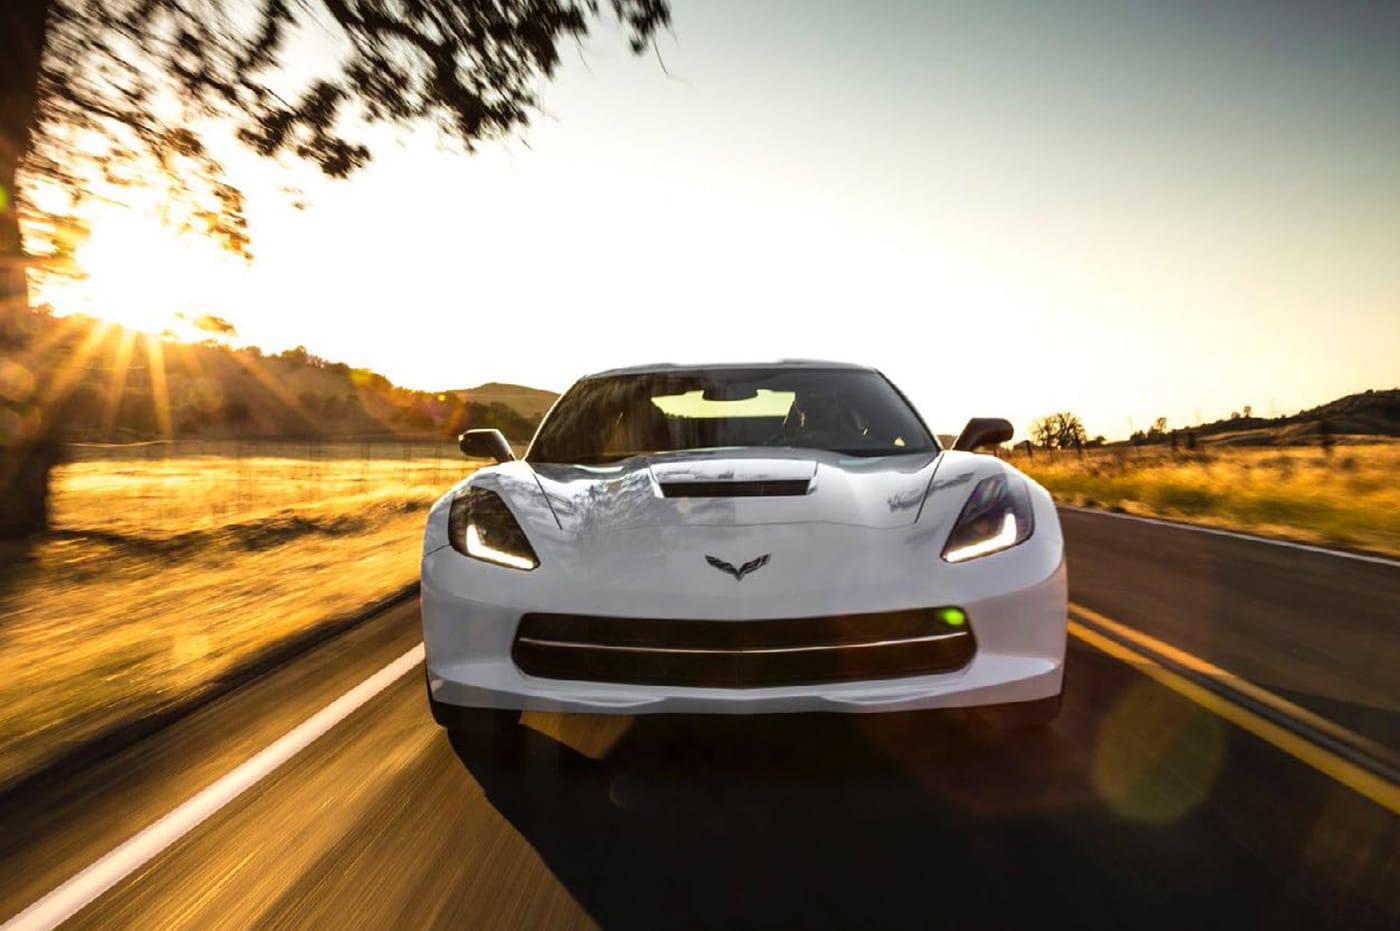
(822, 420)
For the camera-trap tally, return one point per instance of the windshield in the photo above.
(850, 411)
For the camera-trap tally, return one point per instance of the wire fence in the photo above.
(167, 485)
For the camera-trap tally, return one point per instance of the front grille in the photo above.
(741, 654)
(777, 488)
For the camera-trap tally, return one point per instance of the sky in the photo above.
(1118, 208)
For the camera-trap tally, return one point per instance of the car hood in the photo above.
(883, 492)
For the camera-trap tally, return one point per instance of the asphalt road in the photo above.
(1137, 809)
(1321, 630)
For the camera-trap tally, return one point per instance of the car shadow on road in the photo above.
(860, 821)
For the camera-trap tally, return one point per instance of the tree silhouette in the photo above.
(118, 92)
(1059, 431)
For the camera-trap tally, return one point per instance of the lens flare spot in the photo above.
(1157, 755)
(19, 426)
(593, 735)
(16, 384)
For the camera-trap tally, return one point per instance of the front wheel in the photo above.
(489, 728)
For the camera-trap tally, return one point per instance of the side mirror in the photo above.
(983, 431)
(485, 444)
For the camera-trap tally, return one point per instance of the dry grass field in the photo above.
(1350, 498)
(169, 566)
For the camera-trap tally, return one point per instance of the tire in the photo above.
(1021, 716)
(442, 714)
(487, 726)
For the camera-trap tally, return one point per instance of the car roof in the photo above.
(674, 368)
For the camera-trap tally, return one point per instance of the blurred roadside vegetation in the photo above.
(1347, 494)
(169, 565)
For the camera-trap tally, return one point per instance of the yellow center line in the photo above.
(1377, 789)
(1261, 695)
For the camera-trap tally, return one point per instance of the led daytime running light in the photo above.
(478, 548)
(1004, 538)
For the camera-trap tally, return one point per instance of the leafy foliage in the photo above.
(1062, 430)
(126, 87)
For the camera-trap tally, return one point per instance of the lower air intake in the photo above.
(741, 654)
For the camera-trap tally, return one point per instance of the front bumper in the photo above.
(1019, 657)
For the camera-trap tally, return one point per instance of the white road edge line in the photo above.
(75, 894)
(1179, 525)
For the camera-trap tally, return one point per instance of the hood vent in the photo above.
(781, 488)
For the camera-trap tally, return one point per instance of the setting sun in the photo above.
(144, 275)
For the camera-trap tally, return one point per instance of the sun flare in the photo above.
(144, 275)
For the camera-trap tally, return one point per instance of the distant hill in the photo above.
(1373, 413)
(105, 383)
(108, 384)
(530, 402)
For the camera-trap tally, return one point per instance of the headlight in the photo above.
(480, 525)
(997, 516)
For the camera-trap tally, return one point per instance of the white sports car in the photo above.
(727, 539)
